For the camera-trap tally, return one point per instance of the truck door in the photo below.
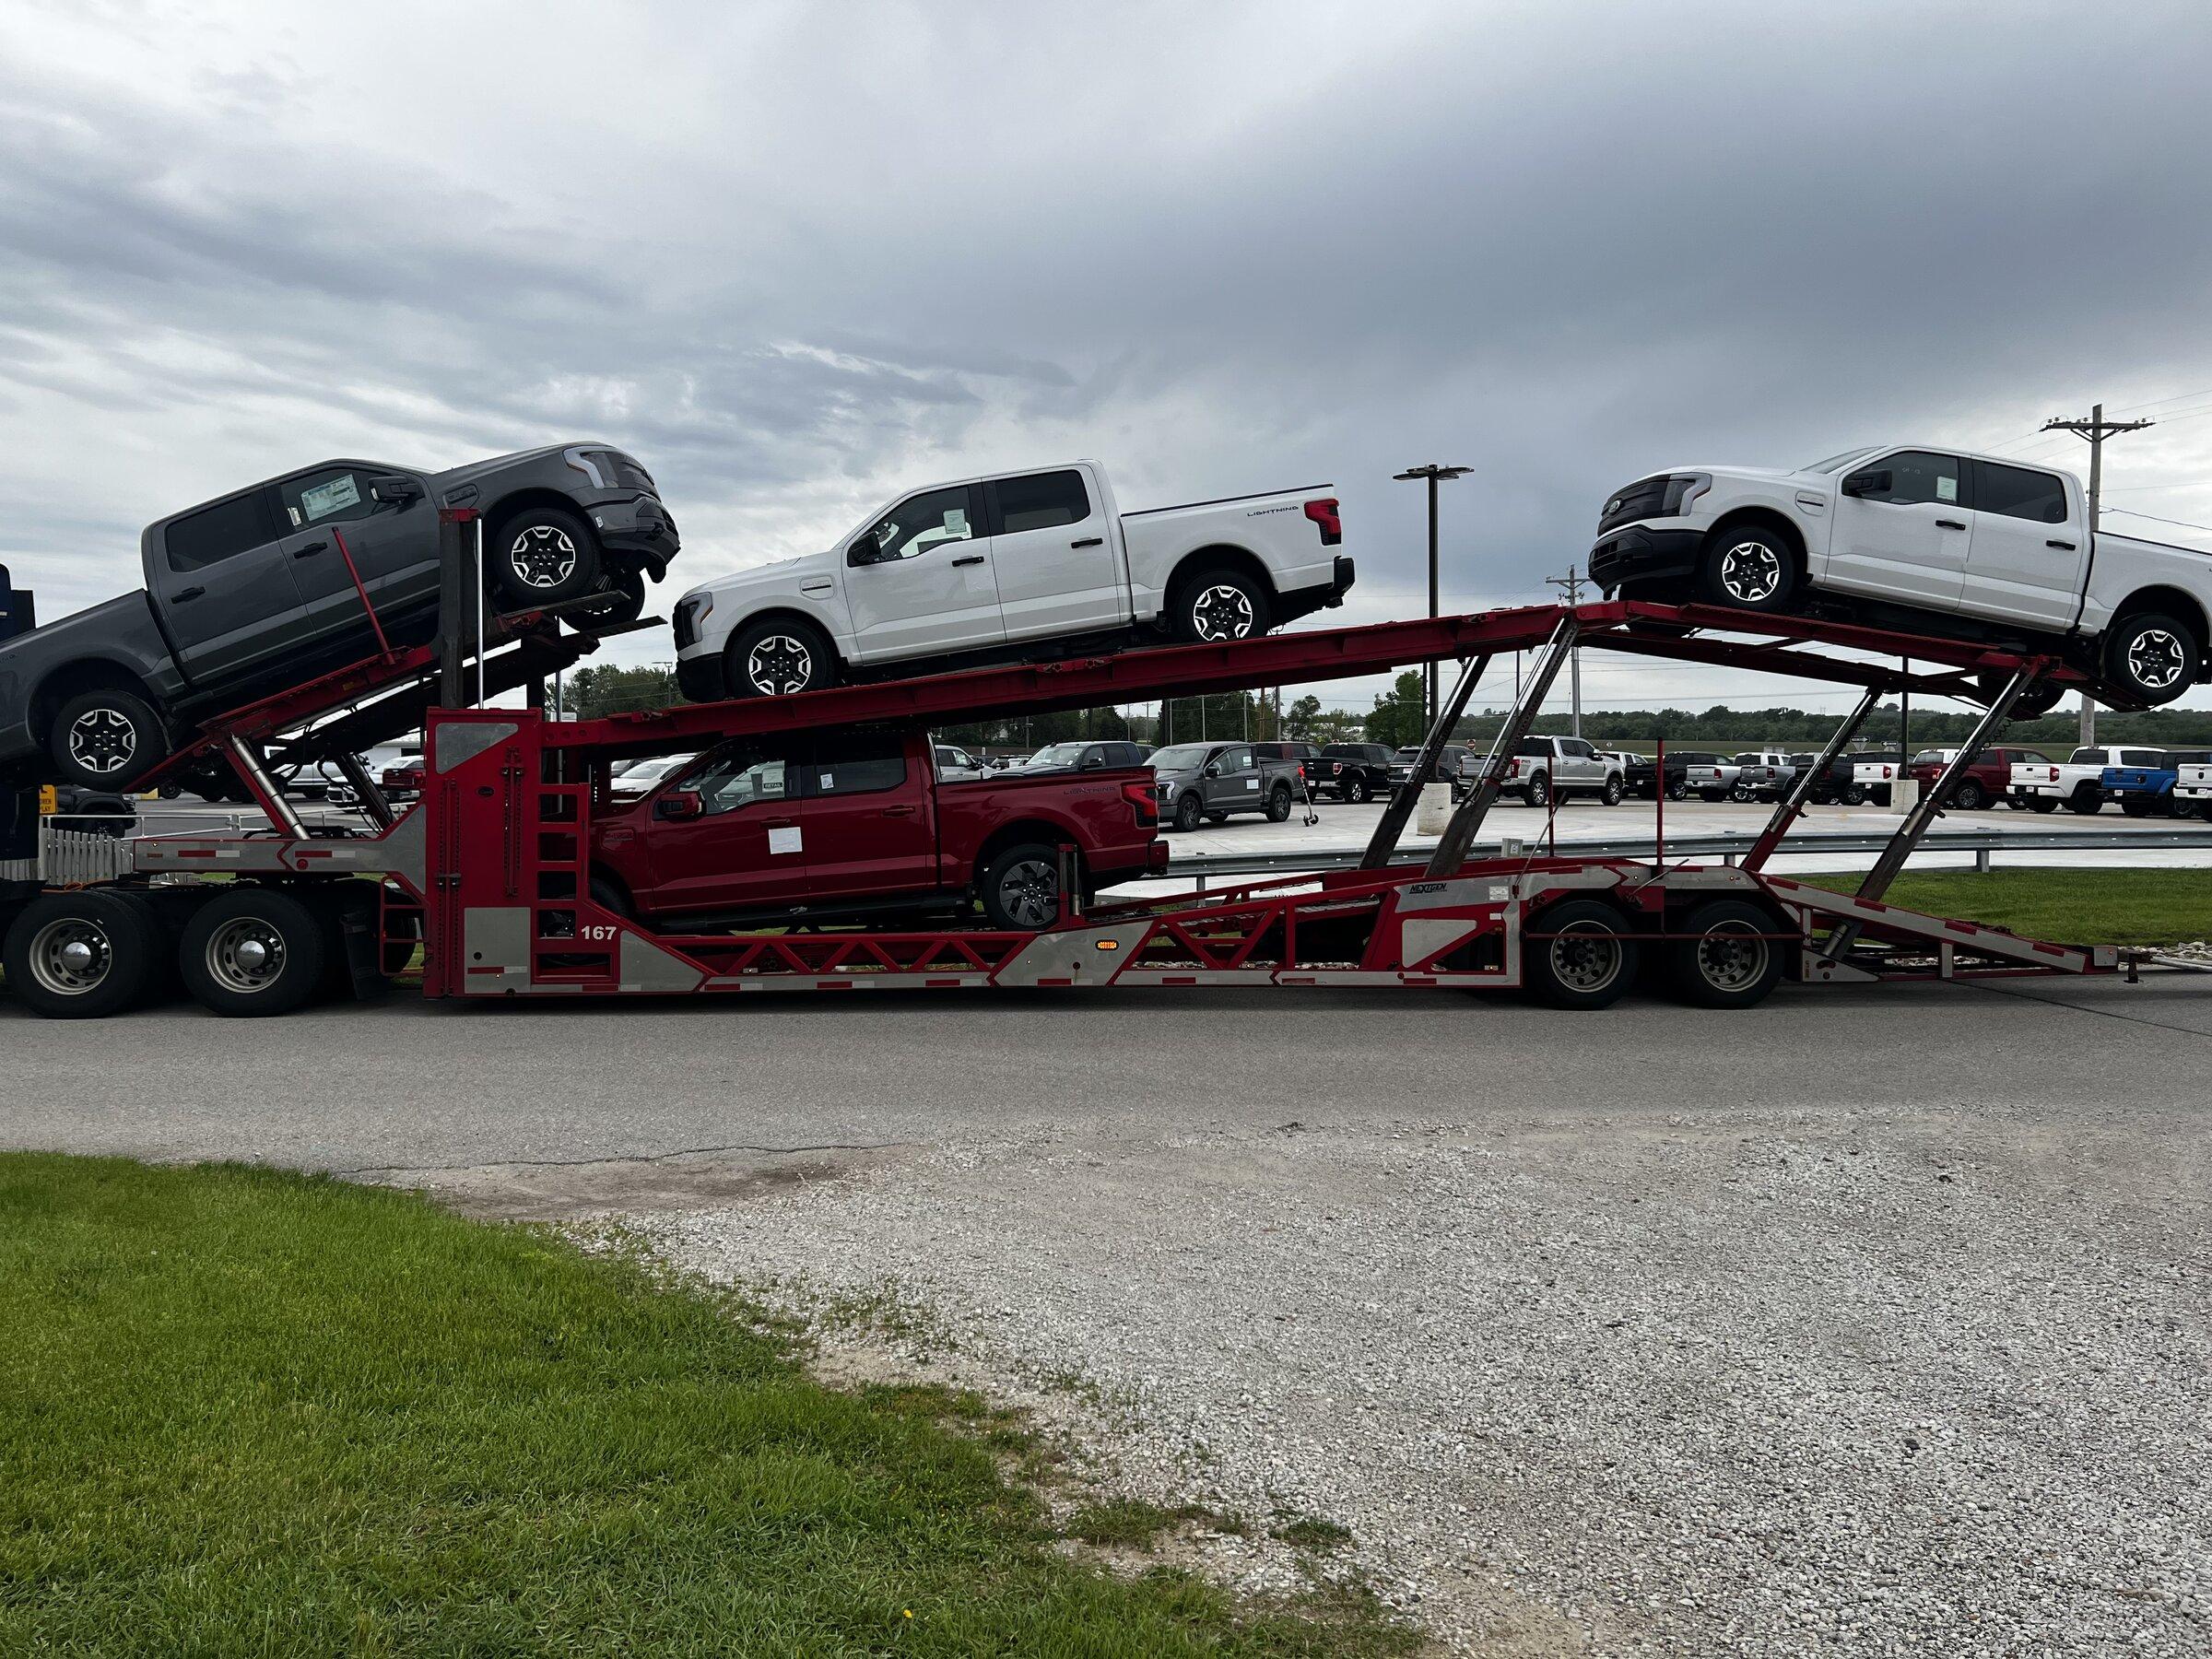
(745, 850)
(394, 547)
(2029, 558)
(1904, 531)
(224, 587)
(867, 809)
(1059, 571)
(919, 580)
(1238, 787)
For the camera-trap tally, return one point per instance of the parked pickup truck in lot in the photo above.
(1642, 776)
(2077, 783)
(1874, 774)
(254, 590)
(1456, 765)
(1713, 780)
(2193, 784)
(1988, 779)
(1925, 538)
(1544, 768)
(1003, 568)
(2148, 791)
(856, 823)
(1209, 781)
(1764, 775)
(1352, 771)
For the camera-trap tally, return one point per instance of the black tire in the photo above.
(1538, 793)
(2138, 805)
(2035, 703)
(252, 952)
(543, 556)
(1020, 887)
(622, 603)
(2041, 804)
(1355, 790)
(612, 898)
(779, 657)
(1588, 957)
(2087, 800)
(1219, 605)
(1187, 810)
(1278, 804)
(83, 956)
(1969, 796)
(2151, 657)
(1725, 962)
(107, 738)
(1749, 570)
(1612, 792)
(1854, 795)
(1677, 792)
(1712, 797)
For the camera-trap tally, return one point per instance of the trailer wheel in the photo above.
(104, 739)
(543, 556)
(1278, 804)
(1725, 961)
(1020, 887)
(82, 956)
(251, 952)
(1586, 960)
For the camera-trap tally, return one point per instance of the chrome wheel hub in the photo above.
(1732, 956)
(1750, 572)
(71, 957)
(1585, 958)
(1029, 892)
(779, 665)
(245, 955)
(1222, 613)
(2156, 658)
(102, 741)
(542, 556)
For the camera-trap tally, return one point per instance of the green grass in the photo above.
(1128, 1522)
(2070, 907)
(247, 1411)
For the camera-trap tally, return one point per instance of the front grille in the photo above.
(630, 476)
(1642, 500)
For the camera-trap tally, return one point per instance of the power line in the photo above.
(2154, 518)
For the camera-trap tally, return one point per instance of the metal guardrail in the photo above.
(1984, 844)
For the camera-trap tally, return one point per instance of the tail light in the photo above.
(2054, 774)
(1885, 771)
(1301, 770)
(1139, 795)
(1325, 513)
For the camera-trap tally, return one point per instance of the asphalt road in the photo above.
(1879, 1319)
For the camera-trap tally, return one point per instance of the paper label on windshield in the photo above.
(326, 499)
(784, 841)
(1946, 490)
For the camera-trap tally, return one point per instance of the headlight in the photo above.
(1682, 489)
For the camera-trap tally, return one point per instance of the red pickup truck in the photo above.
(1988, 779)
(855, 822)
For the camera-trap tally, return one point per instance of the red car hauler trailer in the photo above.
(489, 871)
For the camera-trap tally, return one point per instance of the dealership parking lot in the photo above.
(1878, 1313)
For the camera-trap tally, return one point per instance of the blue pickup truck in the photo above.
(2148, 791)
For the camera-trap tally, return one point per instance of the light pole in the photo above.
(1432, 473)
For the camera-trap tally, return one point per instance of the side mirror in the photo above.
(680, 804)
(395, 490)
(1093, 763)
(868, 549)
(1874, 481)
(1213, 768)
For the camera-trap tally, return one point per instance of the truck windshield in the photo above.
(1838, 462)
(1181, 757)
(1057, 753)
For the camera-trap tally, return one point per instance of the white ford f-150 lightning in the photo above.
(1969, 545)
(1007, 567)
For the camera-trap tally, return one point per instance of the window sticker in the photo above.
(828, 781)
(1946, 490)
(326, 499)
(786, 840)
(956, 520)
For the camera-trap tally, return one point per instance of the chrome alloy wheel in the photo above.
(542, 556)
(1731, 956)
(1029, 892)
(2156, 658)
(1586, 956)
(1222, 613)
(779, 665)
(71, 956)
(102, 741)
(1750, 572)
(246, 955)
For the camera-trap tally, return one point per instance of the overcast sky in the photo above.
(801, 258)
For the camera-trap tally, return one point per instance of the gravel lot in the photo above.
(1876, 1322)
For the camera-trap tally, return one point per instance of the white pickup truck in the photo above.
(2077, 782)
(1926, 539)
(1543, 768)
(2192, 782)
(1003, 568)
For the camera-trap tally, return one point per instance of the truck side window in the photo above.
(2019, 492)
(1236, 760)
(333, 495)
(918, 523)
(858, 762)
(737, 776)
(216, 532)
(1041, 502)
(1918, 476)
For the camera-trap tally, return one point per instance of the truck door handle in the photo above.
(775, 823)
(1090, 541)
(1951, 524)
(190, 592)
(971, 559)
(310, 550)
(2061, 547)
(897, 812)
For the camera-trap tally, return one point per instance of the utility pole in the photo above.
(2096, 429)
(1571, 590)
(1433, 474)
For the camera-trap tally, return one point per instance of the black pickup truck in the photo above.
(1642, 776)
(256, 589)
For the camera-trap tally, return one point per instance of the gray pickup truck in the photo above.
(256, 589)
(1209, 781)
